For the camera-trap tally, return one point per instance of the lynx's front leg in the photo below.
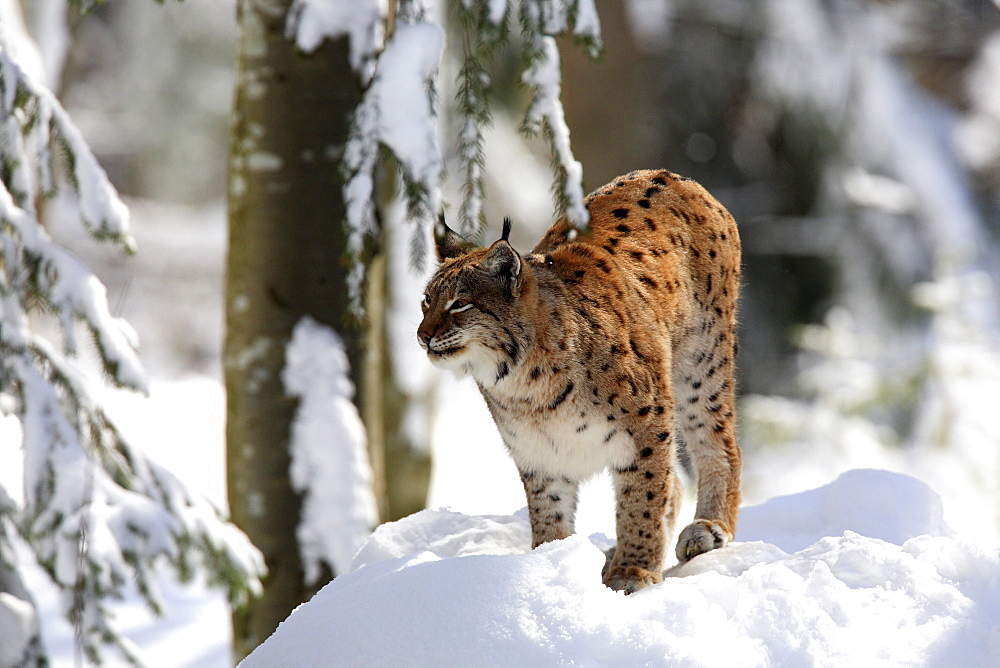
(551, 506)
(648, 496)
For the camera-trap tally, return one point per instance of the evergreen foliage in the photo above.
(484, 28)
(97, 514)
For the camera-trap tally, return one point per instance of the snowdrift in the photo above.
(862, 570)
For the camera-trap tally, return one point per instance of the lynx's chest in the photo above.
(568, 436)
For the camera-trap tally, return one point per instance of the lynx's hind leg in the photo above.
(551, 506)
(706, 415)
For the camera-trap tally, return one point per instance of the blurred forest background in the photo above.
(856, 142)
(770, 105)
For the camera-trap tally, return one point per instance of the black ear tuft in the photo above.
(505, 235)
(448, 242)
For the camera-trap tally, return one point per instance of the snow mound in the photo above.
(877, 504)
(443, 588)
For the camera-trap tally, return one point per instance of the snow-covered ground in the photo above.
(864, 568)
(799, 588)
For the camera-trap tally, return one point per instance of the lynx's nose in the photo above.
(424, 335)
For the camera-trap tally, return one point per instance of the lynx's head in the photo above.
(472, 308)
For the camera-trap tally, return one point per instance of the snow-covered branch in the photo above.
(97, 514)
(310, 22)
(541, 21)
(484, 29)
(397, 113)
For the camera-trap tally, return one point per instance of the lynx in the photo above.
(594, 349)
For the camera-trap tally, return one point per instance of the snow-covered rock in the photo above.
(860, 570)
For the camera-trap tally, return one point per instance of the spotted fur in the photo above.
(595, 349)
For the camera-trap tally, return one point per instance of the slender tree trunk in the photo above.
(286, 244)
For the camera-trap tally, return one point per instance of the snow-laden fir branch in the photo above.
(83, 482)
(541, 20)
(33, 122)
(330, 466)
(95, 512)
(484, 28)
(398, 113)
(56, 280)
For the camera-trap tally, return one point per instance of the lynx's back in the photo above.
(594, 348)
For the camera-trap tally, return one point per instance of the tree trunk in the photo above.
(286, 244)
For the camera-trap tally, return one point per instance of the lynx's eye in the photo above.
(460, 305)
(426, 303)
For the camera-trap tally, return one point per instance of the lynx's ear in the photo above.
(448, 242)
(503, 262)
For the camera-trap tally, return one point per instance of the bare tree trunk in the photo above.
(286, 244)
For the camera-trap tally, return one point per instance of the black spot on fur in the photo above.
(650, 224)
(644, 410)
(648, 281)
(660, 180)
(652, 191)
(663, 435)
(623, 228)
(562, 396)
(644, 203)
(619, 213)
(636, 255)
(646, 452)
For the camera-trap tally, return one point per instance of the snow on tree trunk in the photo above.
(330, 467)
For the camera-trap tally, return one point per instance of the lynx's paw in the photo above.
(630, 579)
(699, 537)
